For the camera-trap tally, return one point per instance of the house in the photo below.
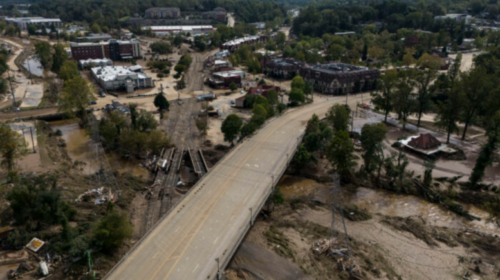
(425, 142)
(262, 90)
(117, 106)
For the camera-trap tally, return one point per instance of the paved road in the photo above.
(211, 220)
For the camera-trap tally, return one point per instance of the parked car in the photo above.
(103, 94)
(92, 103)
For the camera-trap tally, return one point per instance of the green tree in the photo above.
(95, 28)
(403, 101)
(161, 102)
(233, 86)
(476, 86)
(272, 97)
(308, 88)
(42, 53)
(281, 38)
(301, 158)
(59, 57)
(12, 146)
(146, 121)
(296, 96)
(161, 47)
(231, 127)
(372, 137)
(298, 83)
(281, 107)
(31, 29)
(248, 129)
(259, 114)
(338, 117)
(157, 140)
(487, 152)
(75, 96)
(382, 97)
(177, 40)
(69, 70)
(423, 82)
(312, 142)
(340, 154)
(364, 56)
(111, 231)
(37, 203)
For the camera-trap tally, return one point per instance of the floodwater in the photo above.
(390, 204)
(34, 66)
(79, 148)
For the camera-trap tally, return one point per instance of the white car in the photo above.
(168, 86)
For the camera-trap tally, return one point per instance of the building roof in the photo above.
(262, 89)
(96, 61)
(111, 73)
(178, 27)
(239, 41)
(424, 141)
(163, 9)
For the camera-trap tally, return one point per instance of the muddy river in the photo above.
(79, 148)
(390, 204)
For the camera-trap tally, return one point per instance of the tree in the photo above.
(95, 28)
(199, 43)
(37, 202)
(372, 137)
(248, 129)
(42, 53)
(487, 152)
(340, 153)
(69, 70)
(272, 97)
(338, 117)
(111, 231)
(308, 88)
(476, 84)
(449, 110)
(233, 86)
(423, 81)
(161, 47)
(403, 101)
(296, 96)
(298, 83)
(301, 158)
(281, 38)
(408, 58)
(231, 127)
(281, 107)
(59, 57)
(12, 146)
(177, 40)
(161, 102)
(157, 140)
(312, 142)
(364, 56)
(382, 97)
(429, 61)
(146, 121)
(31, 29)
(259, 114)
(76, 95)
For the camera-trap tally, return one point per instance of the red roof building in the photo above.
(262, 90)
(424, 142)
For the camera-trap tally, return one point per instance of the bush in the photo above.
(160, 75)
(166, 71)
(58, 132)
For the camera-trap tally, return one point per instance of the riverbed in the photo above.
(390, 204)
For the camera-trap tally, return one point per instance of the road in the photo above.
(194, 81)
(214, 216)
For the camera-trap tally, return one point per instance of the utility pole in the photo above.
(32, 141)
(13, 95)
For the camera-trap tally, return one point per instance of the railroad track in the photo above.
(170, 182)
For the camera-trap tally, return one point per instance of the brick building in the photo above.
(218, 14)
(113, 49)
(339, 78)
(282, 67)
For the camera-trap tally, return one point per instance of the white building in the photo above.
(121, 77)
(457, 17)
(23, 22)
(176, 29)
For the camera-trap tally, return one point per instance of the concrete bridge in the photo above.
(198, 237)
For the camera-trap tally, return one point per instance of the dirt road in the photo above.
(195, 75)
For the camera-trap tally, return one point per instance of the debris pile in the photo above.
(341, 256)
(96, 194)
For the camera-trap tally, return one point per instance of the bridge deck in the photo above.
(214, 216)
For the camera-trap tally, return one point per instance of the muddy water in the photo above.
(79, 148)
(390, 204)
(34, 66)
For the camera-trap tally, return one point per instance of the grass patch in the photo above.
(279, 242)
